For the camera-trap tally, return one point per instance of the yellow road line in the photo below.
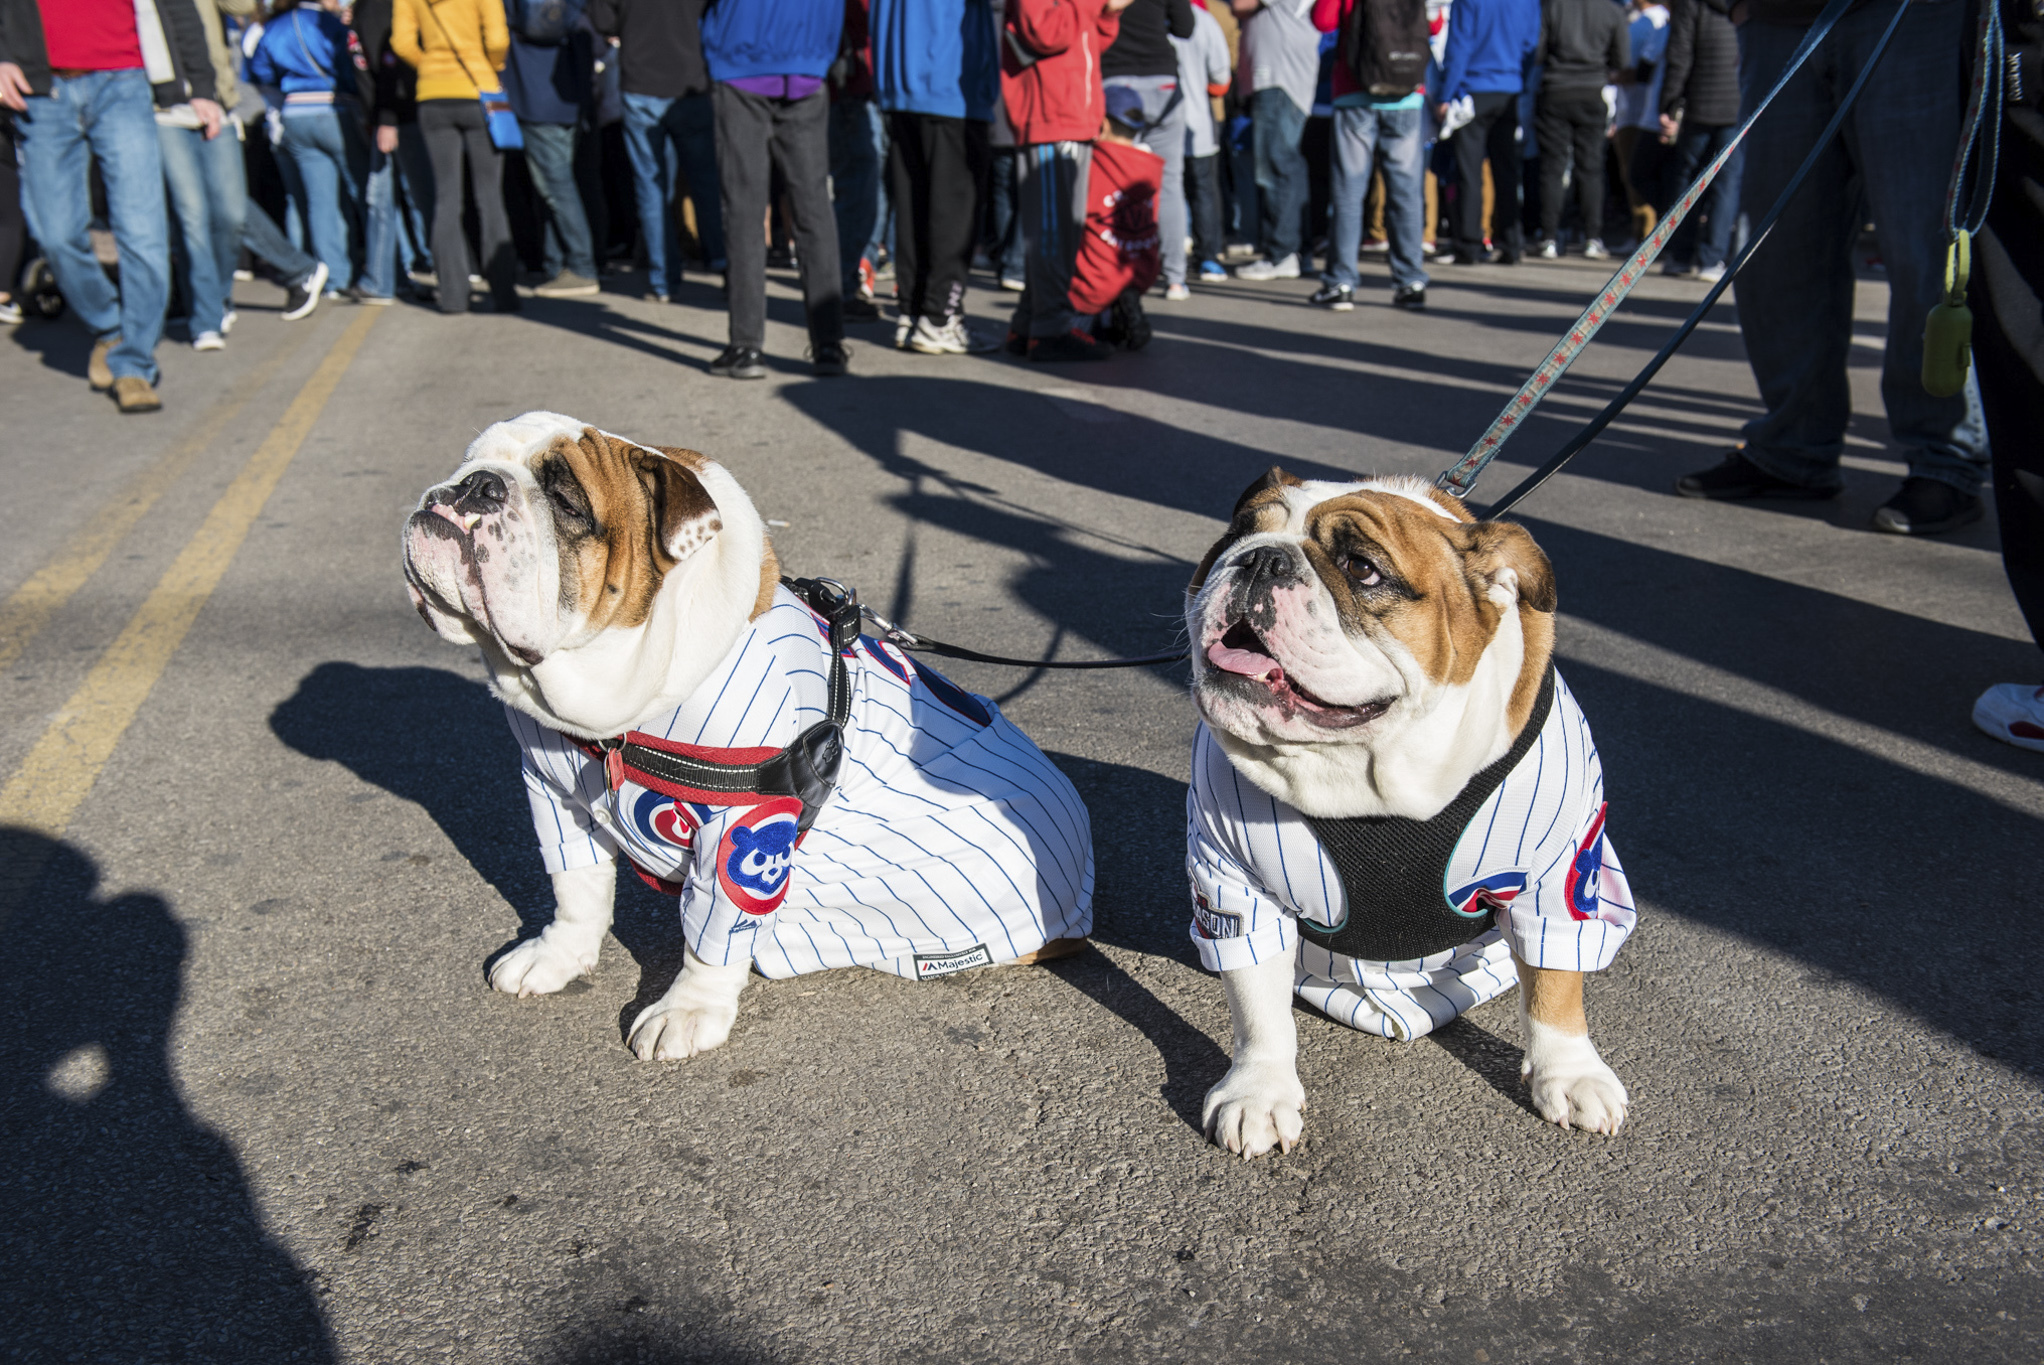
(59, 772)
(32, 604)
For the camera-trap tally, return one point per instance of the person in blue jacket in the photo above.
(768, 59)
(937, 73)
(1489, 45)
(302, 52)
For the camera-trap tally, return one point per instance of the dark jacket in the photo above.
(660, 45)
(21, 42)
(552, 82)
(184, 33)
(389, 90)
(1580, 42)
(1144, 47)
(1702, 85)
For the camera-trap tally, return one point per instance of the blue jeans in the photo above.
(383, 232)
(856, 139)
(667, 138)
(550, 156)
(209, 192)
(1386, 139)
(1004, 224)
(261, 235)
(1706, 234)
(1890, 164)
(333, 163)
(108, 117)
(1280, 170)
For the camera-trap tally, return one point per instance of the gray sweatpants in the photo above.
(1050, 184)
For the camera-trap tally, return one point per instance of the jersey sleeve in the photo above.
(744, 856)
(1235, 922)
(558, 779)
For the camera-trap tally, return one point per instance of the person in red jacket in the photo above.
(1050, 84)
(1120, 254)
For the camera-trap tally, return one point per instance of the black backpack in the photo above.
(547, 22)
(1384, 45)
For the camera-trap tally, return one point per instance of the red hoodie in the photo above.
(1057, 97)
(1121, 248)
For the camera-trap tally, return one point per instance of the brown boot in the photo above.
(96, 372)
(133, 394)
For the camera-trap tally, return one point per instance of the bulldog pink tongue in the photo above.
(1244, 661)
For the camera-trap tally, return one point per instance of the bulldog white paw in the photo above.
(1571, 1085)
(541, 966)
(1257, 1106)
(665, 1032)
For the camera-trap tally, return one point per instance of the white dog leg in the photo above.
(1257, 1105)
(567, 948)
(1571, 1085)
(694, 1016)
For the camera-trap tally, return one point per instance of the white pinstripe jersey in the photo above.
(1535, 861)
(949, 842)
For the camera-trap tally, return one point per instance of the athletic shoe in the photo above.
(1676, 269)
(133, 394)
(904, 328)
(1413, 299)
(1176, 293)
(227, 321)
(1737, 478)
(2013, 713)
(209, 341)
(10, 313)
(949, 337)
(302, 297)
(356, 295)
(243, 276)
(567, 285)
(1550, 250)
(1016, 344)
(1593, 250)
(1072, 345)
(1926, 507)
(1285, 269)
(831, 358)
(1212, 272)
(1375, 248)
(738, 362)
(1711, 274)
(97, 372)
(860, 309)
(1127, 327)
(659, 297)
(1337, 298)
(1014, 284)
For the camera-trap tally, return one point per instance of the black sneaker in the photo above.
(738, 362)
(858, 309)
(1926, 507)
(1338, 298)
(1738, 478)
(1016, 345)
(1414, 298)
(830, 358)
(302, 297)
(1072, 345)
(1131, 329)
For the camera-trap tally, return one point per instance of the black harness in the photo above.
(1394, 870)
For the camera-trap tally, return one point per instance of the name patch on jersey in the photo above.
(1213, 923)
(930, 965)
(755, 854)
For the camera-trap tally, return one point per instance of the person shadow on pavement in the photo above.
(127, 1229)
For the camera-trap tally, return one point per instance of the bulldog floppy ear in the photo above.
(1498, 553)
(1253, 497)
(684, 514)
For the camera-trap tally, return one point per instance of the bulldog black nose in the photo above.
(1265, 562)
(481, 491)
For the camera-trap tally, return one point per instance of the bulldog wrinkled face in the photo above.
(1329, 611)
(550, 533)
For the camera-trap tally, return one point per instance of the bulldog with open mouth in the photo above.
(1397, 811)
(812, 797)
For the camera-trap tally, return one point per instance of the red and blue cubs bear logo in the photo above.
(756, 852)
(1491, 893)
(1584, 870)
(660, 819)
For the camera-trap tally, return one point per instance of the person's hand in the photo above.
(1669, 127)
(14, 91)
(386, 138)
(1244, 8)
(1440, 114)
(211, 116)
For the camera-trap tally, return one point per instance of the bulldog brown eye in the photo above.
(1362, 571)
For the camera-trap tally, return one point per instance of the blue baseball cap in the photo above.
(1125, 106)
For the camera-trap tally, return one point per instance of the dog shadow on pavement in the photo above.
(127, 1230)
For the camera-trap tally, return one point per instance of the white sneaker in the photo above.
(949, 337)
(1286, 269)
(227, 321)
(904, 328)
(1550, 250)
(1176, 293)
(1014, 284)
(1711, 274)
(209, 341)
(2013, 713)
(10, 312)
(1593, 250)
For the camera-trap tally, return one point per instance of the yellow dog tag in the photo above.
(1948, 331)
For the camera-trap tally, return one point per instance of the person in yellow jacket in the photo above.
(457, 47)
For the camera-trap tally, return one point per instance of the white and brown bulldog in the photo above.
(1396, 809)
(809, 806)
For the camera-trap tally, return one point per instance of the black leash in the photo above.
(902, 638)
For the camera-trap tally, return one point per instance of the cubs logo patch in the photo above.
(660, 819)
(756, 852)
(1583, 870)
(1488, 894)
(930, 965)
(1212, 923)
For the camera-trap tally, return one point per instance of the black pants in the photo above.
(2008, 349)
(13, 230)
(936, 178)
(454, 130)
(756, 133)
(1570, 127)
(1492, 134)
(1203, 194)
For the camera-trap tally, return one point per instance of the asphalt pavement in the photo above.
(258, 1104)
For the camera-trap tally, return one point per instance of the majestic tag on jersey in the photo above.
(930, 965)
